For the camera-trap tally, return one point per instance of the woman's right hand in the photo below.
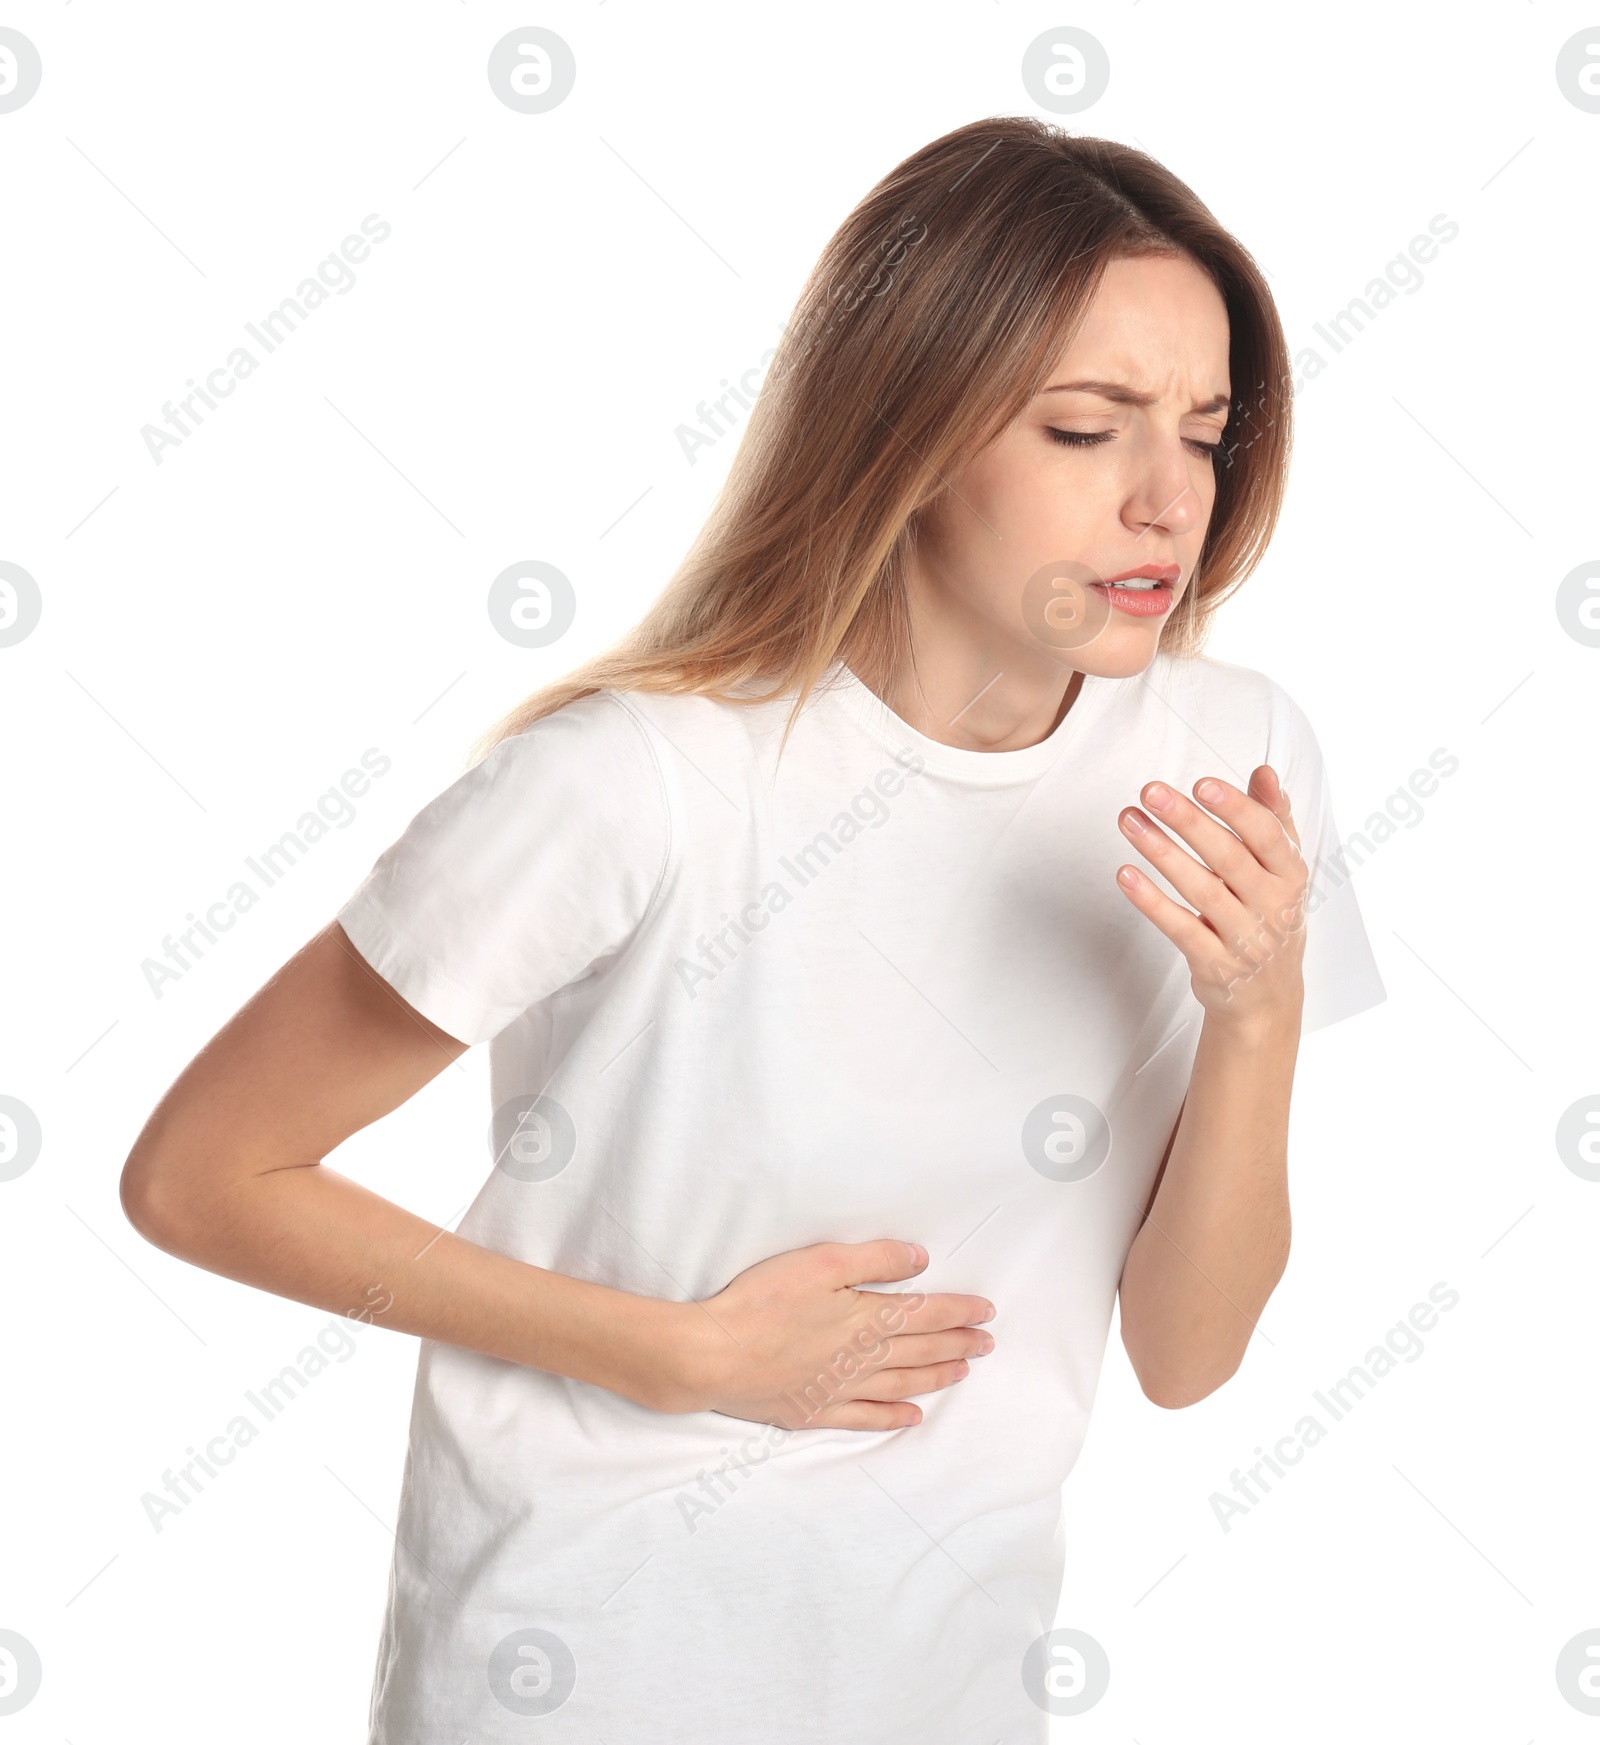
(228, 1174)
(791, 1341)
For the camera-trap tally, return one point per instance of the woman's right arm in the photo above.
(228, 1174)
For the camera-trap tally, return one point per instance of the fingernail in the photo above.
(1208, 790)
(1159, 796)
(1133, 823)
(986, 1344)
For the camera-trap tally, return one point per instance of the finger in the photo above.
(883, 1262)
(901, 1384)
(938, 1311)
(866, 1415)
(1206, 889)
(1261, 819)
(1281, 806)
(1216, 846)
(1185, 929)
(917, 1350)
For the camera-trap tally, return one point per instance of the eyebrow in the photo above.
(1125, 396)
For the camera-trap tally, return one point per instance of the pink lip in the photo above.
(1142, 602)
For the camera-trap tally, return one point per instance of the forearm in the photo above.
(313, 1235)
(1216, 1239)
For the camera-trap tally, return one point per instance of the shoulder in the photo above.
(529, 870)
(1220, 684)
(707, 721)
(585, 772)
(1231, 698)
(599, 725)
(704, 744)
(596, 744)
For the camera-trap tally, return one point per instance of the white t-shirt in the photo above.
(891, 989)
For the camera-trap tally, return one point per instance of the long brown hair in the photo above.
(927, 325)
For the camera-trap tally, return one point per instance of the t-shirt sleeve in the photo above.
(533, 868)
(1340, 971)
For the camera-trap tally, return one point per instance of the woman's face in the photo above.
(1107, 473)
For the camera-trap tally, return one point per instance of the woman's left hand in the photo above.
(1248, 884)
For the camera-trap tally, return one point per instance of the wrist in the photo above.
(1260, 1029)
(669, 1360)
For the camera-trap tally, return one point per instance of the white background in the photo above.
(305, 577)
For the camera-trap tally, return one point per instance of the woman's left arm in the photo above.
(1215, 1239)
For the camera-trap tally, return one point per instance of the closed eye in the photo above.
(1093, 439)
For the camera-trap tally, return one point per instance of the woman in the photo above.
(845, 1061)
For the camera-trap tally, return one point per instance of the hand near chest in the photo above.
(1235, 857)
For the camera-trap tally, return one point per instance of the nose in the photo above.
(1164, 499)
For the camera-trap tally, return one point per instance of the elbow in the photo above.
(1172, 1378)
(146, 1193)
(1173, 1392)
(137, 1193)
(1183, 1358)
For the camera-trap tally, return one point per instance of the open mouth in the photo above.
(1141, 596)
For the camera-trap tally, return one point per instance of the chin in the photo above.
(1066, 616)
(1121, 653)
